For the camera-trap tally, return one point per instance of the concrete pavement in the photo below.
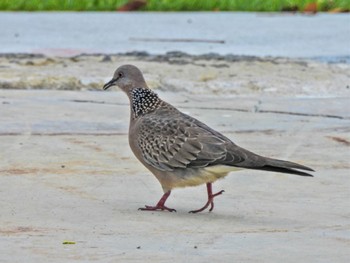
(67, 174)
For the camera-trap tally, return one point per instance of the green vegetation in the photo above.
(60, 5)
(174, 5)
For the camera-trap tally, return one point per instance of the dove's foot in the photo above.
(156, 208)
(160, 206)
(210, 200)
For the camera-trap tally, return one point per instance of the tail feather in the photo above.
(258, 162)
(283, 170)
(281, 166)
(286, 164)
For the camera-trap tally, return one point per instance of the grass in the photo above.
(172, 5)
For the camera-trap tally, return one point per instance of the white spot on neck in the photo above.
(143, 101)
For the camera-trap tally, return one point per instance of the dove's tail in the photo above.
(281, 166)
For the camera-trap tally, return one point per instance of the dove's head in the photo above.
(142, 100)
(127, 77)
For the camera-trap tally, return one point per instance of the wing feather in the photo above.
(180, 143)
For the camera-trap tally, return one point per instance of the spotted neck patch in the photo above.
(143, 101)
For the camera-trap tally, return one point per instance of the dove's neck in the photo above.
(143, 100)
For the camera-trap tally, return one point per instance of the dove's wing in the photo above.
(180, 141)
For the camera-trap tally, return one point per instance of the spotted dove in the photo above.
(179, 149)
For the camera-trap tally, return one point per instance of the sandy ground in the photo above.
(67, 174)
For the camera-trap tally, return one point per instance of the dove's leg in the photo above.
(160, 205)
(210, 200)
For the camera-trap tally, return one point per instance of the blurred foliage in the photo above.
(175, 5)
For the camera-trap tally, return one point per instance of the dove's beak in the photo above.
(109, 84)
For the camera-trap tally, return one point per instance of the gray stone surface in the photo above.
(326, 36)
(66, 173)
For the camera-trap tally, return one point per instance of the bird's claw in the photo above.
(210, 202)
(157, 208)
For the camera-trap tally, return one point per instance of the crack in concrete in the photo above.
(256, 110)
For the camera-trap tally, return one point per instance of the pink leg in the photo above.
(210, 200)
(160, 205)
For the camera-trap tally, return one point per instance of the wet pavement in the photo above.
(322, 36)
